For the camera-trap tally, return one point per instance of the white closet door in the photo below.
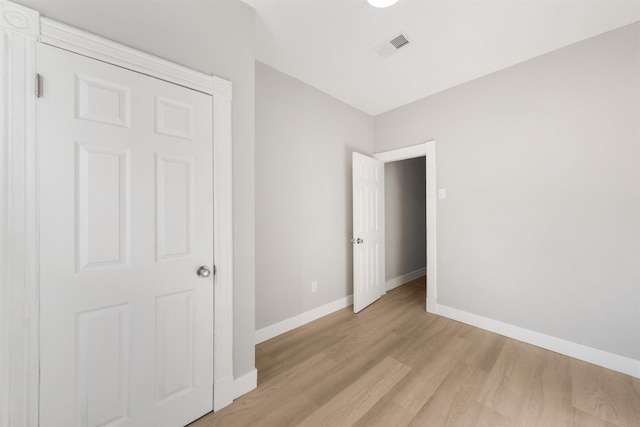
(126, 222)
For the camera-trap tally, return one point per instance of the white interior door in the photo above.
(368, 231)
(126, 221)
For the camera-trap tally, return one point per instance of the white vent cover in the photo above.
(391, 46)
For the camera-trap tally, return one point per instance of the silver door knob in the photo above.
(357, 241)
(203, 272)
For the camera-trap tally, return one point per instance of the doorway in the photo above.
(405, 221)
(428, 151)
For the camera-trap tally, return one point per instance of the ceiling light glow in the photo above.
(382, 3)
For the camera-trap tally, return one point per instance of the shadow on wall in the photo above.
(405, 217)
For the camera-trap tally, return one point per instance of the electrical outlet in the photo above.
(314, 286)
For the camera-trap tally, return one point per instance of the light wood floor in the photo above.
(395, 365)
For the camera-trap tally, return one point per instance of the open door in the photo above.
(368, 231)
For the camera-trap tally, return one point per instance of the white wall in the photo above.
(216, 38)
(405, 217)
(304, 141)
(541, 162)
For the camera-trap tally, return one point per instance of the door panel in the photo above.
(126, 220)
(102, 101)
(174, 344)
(368, 231)
(102, 206)
(174, 195)
(102, 366)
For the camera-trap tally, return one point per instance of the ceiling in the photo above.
(329, 44)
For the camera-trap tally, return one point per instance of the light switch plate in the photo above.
(442, 193)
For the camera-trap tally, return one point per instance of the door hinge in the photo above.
(214, 270)
(38, 86)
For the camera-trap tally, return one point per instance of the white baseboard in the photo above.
(405, 278)
(302, 319)
(245, 383)
(612, 361)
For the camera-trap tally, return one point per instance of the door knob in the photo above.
(357, 241)
(203, 272)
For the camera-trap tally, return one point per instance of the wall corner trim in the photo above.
(291, 323)
(612, 361)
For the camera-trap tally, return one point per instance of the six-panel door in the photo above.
(368, 231)
(126, 220)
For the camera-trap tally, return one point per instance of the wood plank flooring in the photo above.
(395, 365)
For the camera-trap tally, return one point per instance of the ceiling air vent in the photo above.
(399, 41)
(389, 47)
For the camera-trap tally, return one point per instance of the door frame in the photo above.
(21, 31)
(428, 150)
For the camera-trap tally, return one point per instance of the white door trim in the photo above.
(404, 153)
(21, 29)
(427, 149)
(75, 40)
